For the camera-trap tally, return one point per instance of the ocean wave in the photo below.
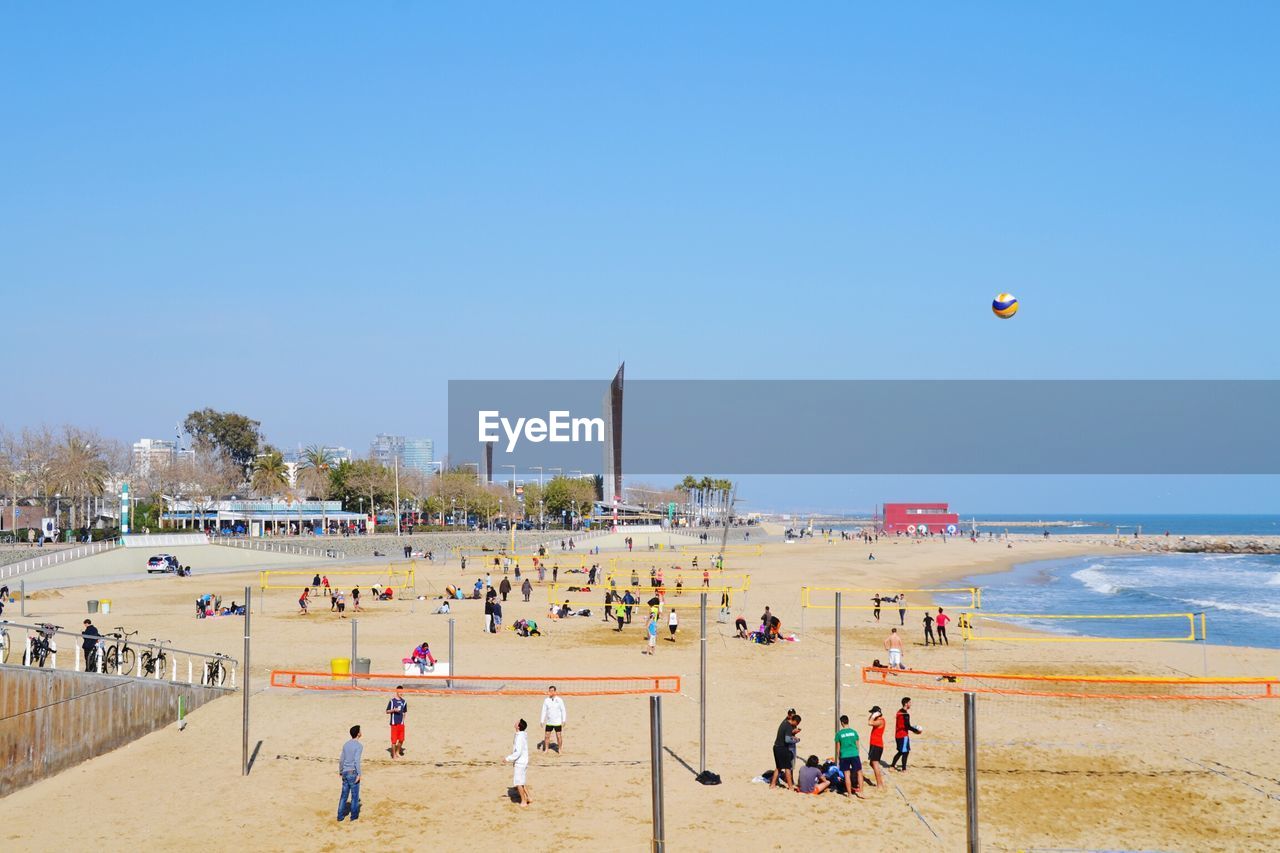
(1275, 580)
(1268, 612)
(1095, 579)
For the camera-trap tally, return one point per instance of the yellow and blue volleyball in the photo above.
(1004, 306)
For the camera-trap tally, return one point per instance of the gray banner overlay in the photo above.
(889, 427)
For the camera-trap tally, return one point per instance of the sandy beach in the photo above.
(1054, 773)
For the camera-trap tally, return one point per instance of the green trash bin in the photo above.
(93, 605)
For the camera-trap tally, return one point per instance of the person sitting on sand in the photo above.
(565, 611)
(810, 780)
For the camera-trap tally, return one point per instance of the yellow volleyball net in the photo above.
(687, 599)
(862, 598)
(667, 560)
(686, 581)
(1083, 627)
(491, 560)
(727, 550)
(401, 578)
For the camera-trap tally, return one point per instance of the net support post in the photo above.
(702, 688)
(244, 723)
(837, 677)
(971, 772)
(655, 757)
(453, 661)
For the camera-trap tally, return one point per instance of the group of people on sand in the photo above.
(338, 598)
(842, 772)
(553, 717)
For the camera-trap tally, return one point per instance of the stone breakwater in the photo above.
(1205, 544)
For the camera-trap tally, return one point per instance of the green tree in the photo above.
(236, 437)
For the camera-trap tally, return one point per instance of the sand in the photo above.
(1054, 773)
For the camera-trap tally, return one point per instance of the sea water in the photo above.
(1240, 594)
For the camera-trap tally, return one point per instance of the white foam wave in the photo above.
(1095, 579)
(1275, 580)
(1266, 611)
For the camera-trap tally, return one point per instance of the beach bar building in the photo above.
(265, 517)
(918, 518)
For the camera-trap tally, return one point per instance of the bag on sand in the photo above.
(706, 777)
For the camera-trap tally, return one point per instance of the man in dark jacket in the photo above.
(90, 645)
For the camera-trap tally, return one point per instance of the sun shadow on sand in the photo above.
(682, 762)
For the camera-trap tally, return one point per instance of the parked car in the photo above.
(162, 563)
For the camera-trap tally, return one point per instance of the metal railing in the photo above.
(61, 555)
(279, 547)
(203, 673)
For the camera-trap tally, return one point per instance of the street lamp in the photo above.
(513, 477)
(453, 511)
(539, 468)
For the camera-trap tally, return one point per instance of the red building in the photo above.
(925, 518)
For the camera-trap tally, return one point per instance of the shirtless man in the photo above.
(893, 643)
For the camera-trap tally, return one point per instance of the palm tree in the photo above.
(704, 493)
(313, 470)
(269, 474)
(313, 476)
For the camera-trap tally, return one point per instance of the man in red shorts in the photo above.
(396, 709)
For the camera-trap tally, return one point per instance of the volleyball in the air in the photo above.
(1004, 306)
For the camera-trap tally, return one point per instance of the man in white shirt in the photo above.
(520, 758)
(554, 716)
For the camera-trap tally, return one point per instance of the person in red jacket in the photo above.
(902, 734)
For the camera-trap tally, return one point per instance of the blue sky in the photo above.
(318, 213)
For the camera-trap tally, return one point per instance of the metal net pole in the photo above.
(655, 758)
(971, 770)
(244, 686)
(838, 661)
(702, 692)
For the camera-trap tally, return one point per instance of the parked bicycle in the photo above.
(5, 645)
(119, 657)
(153, 661)
(42, 644)
(215, 671)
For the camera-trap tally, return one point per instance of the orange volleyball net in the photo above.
(478, 685)
(1076, 686)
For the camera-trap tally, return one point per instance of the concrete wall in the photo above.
(51, 720)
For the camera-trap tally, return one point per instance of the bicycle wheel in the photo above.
(127, 659)
(38, 654)
(109, 660)
(219, 674)
(161, 662)
(148, 664)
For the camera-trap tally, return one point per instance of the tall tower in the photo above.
(613, 439)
